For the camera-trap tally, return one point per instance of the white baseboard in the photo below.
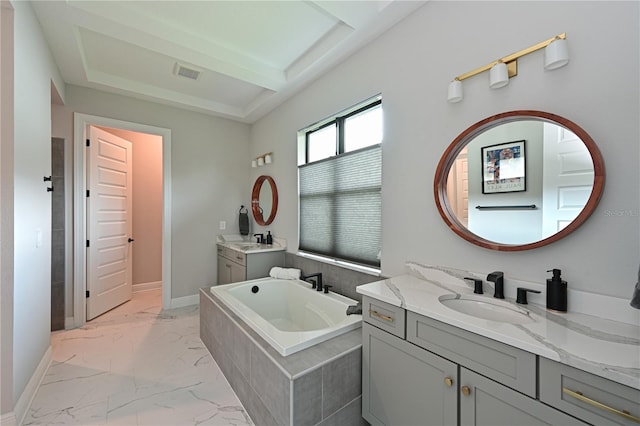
(8, 419)
(24, 402)
(184, 301)
(153, 285)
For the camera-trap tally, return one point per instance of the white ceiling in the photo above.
(252, 55)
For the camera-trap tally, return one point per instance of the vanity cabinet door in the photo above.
(224, 271)
(485, 402)
(238, 272)
(405, 385)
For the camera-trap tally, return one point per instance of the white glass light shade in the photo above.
(498, 76)
(260, 161)
(556, 55)
(455, 91)
(254, 163)
(267, 159)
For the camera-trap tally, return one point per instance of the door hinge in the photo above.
(87, 293)
(88, 142)
(87, 193)
(87, 243)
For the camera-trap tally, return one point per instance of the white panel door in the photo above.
(567, 178)
(109, 227)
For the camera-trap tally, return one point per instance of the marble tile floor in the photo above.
(135, 365)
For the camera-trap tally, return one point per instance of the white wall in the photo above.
(209, 160)
(34, 71)
(412, 64)
(6, 211)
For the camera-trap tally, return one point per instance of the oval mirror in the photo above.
(519, 180)
(264, 200)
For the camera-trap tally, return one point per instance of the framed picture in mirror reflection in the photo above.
(504, 168)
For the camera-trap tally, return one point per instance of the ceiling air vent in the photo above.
(186, 71)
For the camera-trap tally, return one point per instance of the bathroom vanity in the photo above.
(425, 363)
(241, 261)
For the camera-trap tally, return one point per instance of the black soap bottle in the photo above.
(269, 238)
(556, 292)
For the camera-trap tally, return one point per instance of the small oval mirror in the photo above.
(264, 200)
(519, 180)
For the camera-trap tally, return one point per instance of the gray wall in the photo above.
(34, 72)
(412, 64)
(209, 159)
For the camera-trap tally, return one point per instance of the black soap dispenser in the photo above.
(556, 292)
(269, 238)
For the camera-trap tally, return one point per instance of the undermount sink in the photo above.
(487, 308)
(249, 245)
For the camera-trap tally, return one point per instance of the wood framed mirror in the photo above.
(533, 203)
(264, 200)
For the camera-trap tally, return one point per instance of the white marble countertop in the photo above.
(247, 246)
(607, 348)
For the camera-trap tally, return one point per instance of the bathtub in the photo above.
(288, 314)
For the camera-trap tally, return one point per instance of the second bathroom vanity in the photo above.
(241, 261)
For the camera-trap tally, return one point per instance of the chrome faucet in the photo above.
(497, 278)
(317, 283)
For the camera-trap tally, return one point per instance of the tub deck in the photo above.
(320, 385)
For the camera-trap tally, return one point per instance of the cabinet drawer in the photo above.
(508, 365)
(384, 315)
(589, 397)
(235, 255)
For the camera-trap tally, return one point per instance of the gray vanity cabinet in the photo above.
(235, 266)
(230, 271)
(405, 385)
(443, 375)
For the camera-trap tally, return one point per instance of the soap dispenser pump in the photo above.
(556, 292)
(269, 238)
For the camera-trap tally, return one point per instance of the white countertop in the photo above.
(245, 245)
(600, 346)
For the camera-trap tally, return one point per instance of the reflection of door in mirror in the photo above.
(567, 178)
(265, 200)
(458, 187)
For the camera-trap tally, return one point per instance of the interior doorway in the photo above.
(154, 144)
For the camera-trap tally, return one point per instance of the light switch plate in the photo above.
(223, 225)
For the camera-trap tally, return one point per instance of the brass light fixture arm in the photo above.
(511, 58)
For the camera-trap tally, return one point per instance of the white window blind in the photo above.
(341, 206)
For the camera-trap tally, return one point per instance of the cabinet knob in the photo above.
(466, 390)
(448, 381)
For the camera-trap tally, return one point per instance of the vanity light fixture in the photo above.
(262, 160)
(556, 55)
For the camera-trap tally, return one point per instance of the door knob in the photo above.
(130, 240)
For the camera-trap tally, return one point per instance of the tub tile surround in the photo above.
(299, 389)
(343, 281)
(607, 348)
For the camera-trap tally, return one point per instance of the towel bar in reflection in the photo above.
(517, 207)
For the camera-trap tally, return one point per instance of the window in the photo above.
(340, 182)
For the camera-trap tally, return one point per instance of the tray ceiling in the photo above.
(247, 57)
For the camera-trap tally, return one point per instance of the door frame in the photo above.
(80, 123)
